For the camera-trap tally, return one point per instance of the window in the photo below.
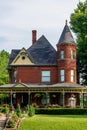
(45, 76)
(72, 54)
(61, 54)
(23, 57)
(72, 75)
(62, 75)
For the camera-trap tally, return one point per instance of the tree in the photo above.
(78, 21)
(4, 76)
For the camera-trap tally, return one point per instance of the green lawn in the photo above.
(52, 122)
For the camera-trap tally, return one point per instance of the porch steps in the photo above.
(2, 124)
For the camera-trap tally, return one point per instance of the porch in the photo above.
(58, 95)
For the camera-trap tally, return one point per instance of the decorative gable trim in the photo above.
(23, 58)
(20, 85)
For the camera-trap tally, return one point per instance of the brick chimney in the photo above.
(34, 36)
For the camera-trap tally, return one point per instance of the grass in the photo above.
(51, 122)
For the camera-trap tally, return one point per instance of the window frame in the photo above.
(62, 54)
(72, 75)
(62, 75)
(44, 76)
(72, 54)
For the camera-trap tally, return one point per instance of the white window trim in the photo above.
(72, 54)
(62, 75)
(46, 76)
(72, 75)
(62, 54)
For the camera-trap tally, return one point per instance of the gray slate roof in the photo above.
(66, 36)
(14, 53)
(43, 52)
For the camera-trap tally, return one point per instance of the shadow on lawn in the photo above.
(66, 116)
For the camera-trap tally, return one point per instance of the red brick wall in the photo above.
(67, 63)
(31, 74)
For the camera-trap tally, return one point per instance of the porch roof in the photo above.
(58, 85)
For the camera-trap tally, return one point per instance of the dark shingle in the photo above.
(66, 36)
(14, 53)
(42, 52)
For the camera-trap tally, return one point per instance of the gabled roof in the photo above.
(66, 36)
(19, 61)
(43, 52)
(14, 53)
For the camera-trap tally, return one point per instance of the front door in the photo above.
(22, 99)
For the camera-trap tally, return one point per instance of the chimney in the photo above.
(34, 36)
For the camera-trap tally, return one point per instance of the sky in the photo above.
(19, 17)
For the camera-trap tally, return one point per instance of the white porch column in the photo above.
(63, 98)
(11, 99)
(29, 98)
(47, 98)
(81, 99)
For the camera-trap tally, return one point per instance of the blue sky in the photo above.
(19, 17)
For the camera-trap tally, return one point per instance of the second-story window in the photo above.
(72, 76)
(62, 75)
(15, 75)
(62, 54)
(45, 76)
(72, 54)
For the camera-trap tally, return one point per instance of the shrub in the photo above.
(31, 110)
(4, 109)
(11, 123)
(1, 109)
(61, 111)
(18, 112)
(14, 117)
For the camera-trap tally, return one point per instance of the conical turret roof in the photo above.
(66, 36)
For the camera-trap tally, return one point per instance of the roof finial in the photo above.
(66, 22)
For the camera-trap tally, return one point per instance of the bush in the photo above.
(31, 110)
(18, 112)
(1, 109)
(4, 109)
(61, 111)
(14, 117)
(11, 123)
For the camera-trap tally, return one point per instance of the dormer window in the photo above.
(23, 57)
(62, 54)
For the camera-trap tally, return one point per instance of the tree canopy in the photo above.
(4, 76)
(78, 21)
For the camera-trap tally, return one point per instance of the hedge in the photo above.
(61, 111)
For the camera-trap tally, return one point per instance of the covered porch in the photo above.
(58, 95)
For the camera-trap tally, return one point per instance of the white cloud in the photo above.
(19, 17)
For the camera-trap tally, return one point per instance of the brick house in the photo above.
(44, 76)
